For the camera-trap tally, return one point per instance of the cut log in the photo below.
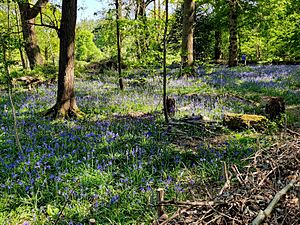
(241, 121)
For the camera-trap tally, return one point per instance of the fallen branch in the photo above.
(292, 132)
(267, 212)
(181, 203)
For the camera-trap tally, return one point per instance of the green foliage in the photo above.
(141, 40)
(48, 40)
(86, 50)
(272, 34)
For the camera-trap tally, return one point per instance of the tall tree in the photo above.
(233, 50)
(218, 29)
(65, 102)
(24, 64)
(187, 57)
(119, 41)
(28, 15)
(164, 63)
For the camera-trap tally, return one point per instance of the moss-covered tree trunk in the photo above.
(28, 15)
(187, 57)
(66, 106)
(233, 50)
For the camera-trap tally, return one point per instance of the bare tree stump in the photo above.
(92, 222)
(160, 197)
(275, 107)
(171, 106)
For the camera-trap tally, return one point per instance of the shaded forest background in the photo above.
(267, 32)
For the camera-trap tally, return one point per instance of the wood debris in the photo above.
(266, 191)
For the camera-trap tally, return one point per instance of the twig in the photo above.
(227, 183)
(263, 180)
(292, 132)
(205, 215)
(178, 213)
(214, 219)
(229, 217)
(61, 211)
(238, 174)
(65, 204)
(18, 143)
(267, 212)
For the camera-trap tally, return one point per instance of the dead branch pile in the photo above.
(267, 192)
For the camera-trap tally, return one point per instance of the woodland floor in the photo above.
(108, 165)
(246, 193)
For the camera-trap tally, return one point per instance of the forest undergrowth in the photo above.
(108, 165)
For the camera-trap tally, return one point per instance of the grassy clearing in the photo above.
(108, 165)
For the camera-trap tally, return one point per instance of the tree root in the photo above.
(56, 112)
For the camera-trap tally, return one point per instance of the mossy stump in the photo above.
(242, 121)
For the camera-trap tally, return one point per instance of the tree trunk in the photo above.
(66, 106)
(119, 41)
(141, 7)
(22, 58)
(158, 10)
(258, 54)
(19, 39)
(46, 53)
(187, 33)
(164, 64)
(218, 42)
(31, 47)
(233, 15)
(154, 10)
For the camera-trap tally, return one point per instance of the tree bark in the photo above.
(218, 42)
(141, 8)
(164, 64)
(233, 16)
(19, 39)
(28, 15)
(66, 106)
(187, 58)
(31, 47)
(46, 53)
(119, 42)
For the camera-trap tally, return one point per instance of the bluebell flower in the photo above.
(114, 199)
